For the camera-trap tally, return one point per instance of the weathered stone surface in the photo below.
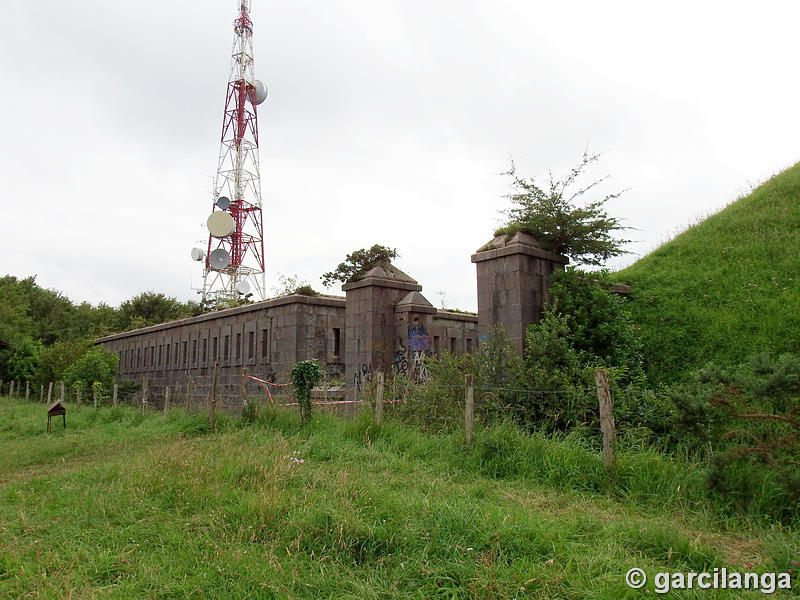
(513, 279)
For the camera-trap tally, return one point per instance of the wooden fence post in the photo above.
(213, 403)
(94, 396)
(114, 396)
(63, 396)
(606, 415)
(144, 394)
(11, 390)
(166, 403)
(27, 389)
(379, 399)
(469, 407)
(41, 393)
(245, 379)
(49, 393)
(355, 399)
(77, 396)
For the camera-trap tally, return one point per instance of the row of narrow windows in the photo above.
(176, 355)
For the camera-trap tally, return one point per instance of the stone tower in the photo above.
(513, 283)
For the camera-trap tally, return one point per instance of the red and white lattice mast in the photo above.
(234, 260)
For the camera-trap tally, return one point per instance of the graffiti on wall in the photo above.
(400, 361)
(410, 362)
(418, 338)
(419, 370)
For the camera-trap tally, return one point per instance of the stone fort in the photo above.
(383, 323)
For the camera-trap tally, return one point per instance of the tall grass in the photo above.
(122, 506)
(725, 288)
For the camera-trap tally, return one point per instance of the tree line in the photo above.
(43, 333)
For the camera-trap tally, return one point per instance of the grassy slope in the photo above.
(125, 506)
(727, 287)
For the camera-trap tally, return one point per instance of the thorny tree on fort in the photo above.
(552, 216)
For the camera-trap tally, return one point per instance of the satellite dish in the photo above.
(242, 287)
(220, 224)
(219, 259)
(198, 254)
(223, 203)
(259, 94)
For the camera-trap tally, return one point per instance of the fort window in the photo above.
(469, 345)
(452, 345)
(264, 344)
(337, 341)
(251, 344)
(238, 347)
(436, 349)
(185, 350)
(204, 351)
(160, 355)
(138, 357)
(176, 362)
(226, 348)
(194, 352)
(214, 348)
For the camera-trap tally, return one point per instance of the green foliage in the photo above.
(438, 403)
(305, 375)
(23, 359)
(56, 358)
(97, 364)
(358, 263)
(99, 391)
(599, 327)
(150, 308)
(306, 290)
(725, 288)
(293, 284)
(584, 233)
(750, 416)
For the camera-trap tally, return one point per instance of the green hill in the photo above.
(725, 288)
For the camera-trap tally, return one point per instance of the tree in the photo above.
(150, 308)
(23, 359)
(583, 233)
(97, 364)
(358, 263)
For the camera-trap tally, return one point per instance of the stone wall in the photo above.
(266, 337)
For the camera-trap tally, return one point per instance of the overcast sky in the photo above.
(387, 122)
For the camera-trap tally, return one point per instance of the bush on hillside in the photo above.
(750, 417)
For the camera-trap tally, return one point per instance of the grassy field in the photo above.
(124, 506)
(726, 287)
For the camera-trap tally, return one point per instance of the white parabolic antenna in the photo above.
(219, 259)
(220, 224)
(259, 94)
(198, 254)
(242, 287)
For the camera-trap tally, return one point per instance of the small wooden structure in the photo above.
(56, 408)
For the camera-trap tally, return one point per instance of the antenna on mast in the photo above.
(234, 257)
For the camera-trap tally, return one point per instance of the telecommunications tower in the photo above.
(234, 257)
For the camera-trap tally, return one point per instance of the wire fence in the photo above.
(430, 404)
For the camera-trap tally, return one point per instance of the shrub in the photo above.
(305, 375)
(750, 416)
(97, 364)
